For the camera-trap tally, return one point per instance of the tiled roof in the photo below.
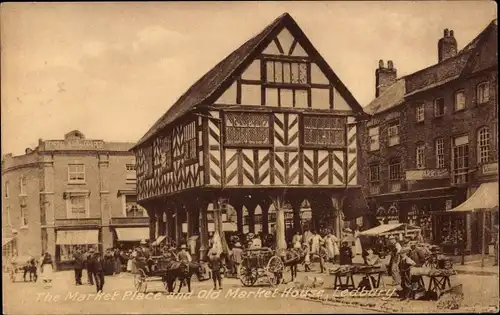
(430, 77)
(213, 81)
(208, 83)
(393, 96)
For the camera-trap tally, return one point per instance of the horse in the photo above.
(30, 268)
(183, 272)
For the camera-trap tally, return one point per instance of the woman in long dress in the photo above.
(330, 249)
(46, 268)
(358, 249)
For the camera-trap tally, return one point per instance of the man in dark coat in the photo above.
(78, 265)
(87, 260)
(96, 265)
(345, 255)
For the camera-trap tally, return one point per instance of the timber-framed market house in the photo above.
(270, 124)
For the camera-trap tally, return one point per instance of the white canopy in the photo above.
(485, 197)
(390, 229)
(132, 234)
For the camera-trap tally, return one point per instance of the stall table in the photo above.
(344, 276)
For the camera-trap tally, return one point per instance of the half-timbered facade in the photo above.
(271, 123)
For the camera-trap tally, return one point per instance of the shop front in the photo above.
(467, 228)
(130, 237)
(68, 241)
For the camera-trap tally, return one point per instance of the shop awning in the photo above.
(6, 240)
(355, 204)
(159, 240)
(132, 234)
(78, 237)
(388, 229)
(484, 198)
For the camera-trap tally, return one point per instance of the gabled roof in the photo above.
(430, 77)
(214, 82)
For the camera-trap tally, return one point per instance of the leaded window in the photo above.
(286, 72)
(190, 151)
(148, 161)
(324, 130)
(166, 163)
(460, 160)
(247, 129)
(420, 156)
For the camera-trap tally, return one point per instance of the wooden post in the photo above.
(152, 226)
(178, 226)
(239, 217)
(202, 205)
(296, 203)
(265, 217)
(189, 221)
(483, 234)
(279, 202)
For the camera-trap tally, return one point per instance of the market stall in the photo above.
(466, 229)
(374, 237)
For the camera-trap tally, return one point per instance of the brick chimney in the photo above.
(384, 77)
(447, 46)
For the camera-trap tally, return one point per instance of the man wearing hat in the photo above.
(184, 255)
(236, 257)
(87, 259)
(405, 264)
(96, 264)
(215, 263)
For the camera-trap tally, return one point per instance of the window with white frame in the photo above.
(420, 113)
(420, 156)
(132, 208)
(76, 172)
(459, 100)
(373, 133)
(77, 206)
(22, 185)
(8, 219)
(439, 152)
(483, 145)
(439, 107)
(393, 133)
(374, 177)
(24, 216)
(6, 189)
(483, 92)
(131, 173)
(395, 175)
(460, 165)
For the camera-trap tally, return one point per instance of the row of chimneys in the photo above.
(386, 76)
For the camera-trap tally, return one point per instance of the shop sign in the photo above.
(75, 144)
(490, 169)
(438, 173)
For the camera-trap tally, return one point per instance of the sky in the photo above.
(111, 70)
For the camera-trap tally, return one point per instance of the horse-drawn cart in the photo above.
(261, 263)
(21, 265)
(158, 266)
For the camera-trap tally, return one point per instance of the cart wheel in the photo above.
(248, 276)
(275, 268)
(140, 281)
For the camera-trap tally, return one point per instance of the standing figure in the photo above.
(78, 266)
(357, 241)
(315, 242)
(184, 255)
(87, 259)
(97, 267)
(46, 265)
(395, 249)
(307, 259)
(118, 264)
(130, 259)
(306, 237)
(405, 264)
(215, 264)
(297, 238)
(237, 258)
(257, 242)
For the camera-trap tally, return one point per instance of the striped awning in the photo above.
(77, 237)
(132, 234)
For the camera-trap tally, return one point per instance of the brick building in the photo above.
(67, 193)
(431, 140)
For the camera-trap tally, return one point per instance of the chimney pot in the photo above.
(380, 64)
(390, 65)
(451, 33)
(446, 32)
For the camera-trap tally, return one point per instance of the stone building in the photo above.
(270, 124)
(71, 192)
(431, 140)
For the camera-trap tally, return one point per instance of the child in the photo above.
(345, 254)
